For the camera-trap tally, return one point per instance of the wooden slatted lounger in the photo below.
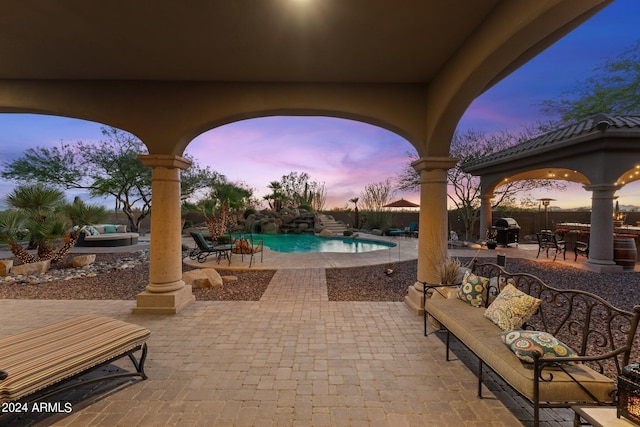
(42, 359)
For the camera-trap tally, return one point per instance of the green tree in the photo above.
(614, 88)
(110, 168)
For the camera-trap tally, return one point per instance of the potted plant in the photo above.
(492, 233)
(449, 270)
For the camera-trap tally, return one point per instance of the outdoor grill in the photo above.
(507, 231)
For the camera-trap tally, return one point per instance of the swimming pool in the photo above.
(303, 243)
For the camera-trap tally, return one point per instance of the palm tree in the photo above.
(82, 214)
(225, 199)
(277, 196)
(12, 231)
(42, 208)
(44, 214)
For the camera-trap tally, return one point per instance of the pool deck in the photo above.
(293, 358)
(406, 249)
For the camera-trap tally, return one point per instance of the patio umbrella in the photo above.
(402, 203)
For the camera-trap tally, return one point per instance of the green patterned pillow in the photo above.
(525, 343)
(511, 308)
(473, 289)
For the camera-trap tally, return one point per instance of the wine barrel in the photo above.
(624, 252)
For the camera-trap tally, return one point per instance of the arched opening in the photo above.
(345, 154)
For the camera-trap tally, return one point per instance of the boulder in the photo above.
(270, 228)
(28, 269)
(5, 266)
(83, 260)
(202, 278)
(326, 233)
(287, 218)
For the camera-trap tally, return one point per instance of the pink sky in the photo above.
(348, 155)
(345, 155)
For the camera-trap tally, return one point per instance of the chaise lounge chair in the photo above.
(410, 231)
(202, 250)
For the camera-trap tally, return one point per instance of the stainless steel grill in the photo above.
(507, 231)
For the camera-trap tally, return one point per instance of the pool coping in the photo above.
(406, 249)
(364, 237)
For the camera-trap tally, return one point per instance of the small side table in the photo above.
(599, 416)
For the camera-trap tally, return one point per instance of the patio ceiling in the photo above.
(412, 67)
(273, 41)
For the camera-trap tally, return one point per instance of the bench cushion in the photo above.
(44, 356)
(107, 240)
(481, 336)
(112, 236)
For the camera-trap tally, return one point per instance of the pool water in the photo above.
(304, 243)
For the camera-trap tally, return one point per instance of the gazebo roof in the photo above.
(596, 126)
(601, 149)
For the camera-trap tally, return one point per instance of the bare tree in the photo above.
(319, 197)
(373, 199)
(464, 188)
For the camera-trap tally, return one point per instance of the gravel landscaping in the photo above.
(121, 276)
(123, 280)
(373, 284)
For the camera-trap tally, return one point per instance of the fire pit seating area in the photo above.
(106, 235)
(555, 347)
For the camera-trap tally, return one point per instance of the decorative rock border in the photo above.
(89, 270)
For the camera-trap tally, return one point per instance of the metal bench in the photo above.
(601, 335)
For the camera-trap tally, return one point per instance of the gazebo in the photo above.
(601, 152)
(168, 71)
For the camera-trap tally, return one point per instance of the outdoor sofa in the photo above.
(107, 235)
(546, 373)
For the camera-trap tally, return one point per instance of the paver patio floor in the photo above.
(291, 359)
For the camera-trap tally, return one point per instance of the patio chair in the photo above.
(202, 250)
(410, 231)
(548, 240)
(251, 247)
(581, 248)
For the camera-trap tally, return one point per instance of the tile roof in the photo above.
(598, 122)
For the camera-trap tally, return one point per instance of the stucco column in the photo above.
(601, 238)
(485, 215)
(166, 293)
(433, 226)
